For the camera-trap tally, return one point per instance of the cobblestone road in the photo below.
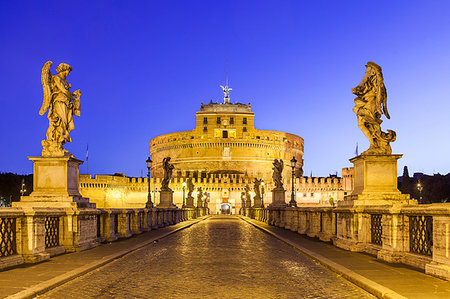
(222, 257)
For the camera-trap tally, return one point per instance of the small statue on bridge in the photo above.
(199, 197)
(168, 168)
(190, 187)
(278, 166)
(243, 201)
(257, 188)
(370, 105)
(61, 105)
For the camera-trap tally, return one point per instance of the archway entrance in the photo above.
(225, 208)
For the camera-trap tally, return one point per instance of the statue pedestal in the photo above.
(257, 202)
(278, 198)
(166, 199)
(190, 202)
(375, 182)
(55, 184)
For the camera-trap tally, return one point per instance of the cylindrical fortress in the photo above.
(225, 141)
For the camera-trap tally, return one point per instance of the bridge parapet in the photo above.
(415, 235)
(30, 235)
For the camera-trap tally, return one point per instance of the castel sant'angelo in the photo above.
(222, 154)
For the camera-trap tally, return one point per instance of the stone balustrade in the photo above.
(415, 235)
(30, 235)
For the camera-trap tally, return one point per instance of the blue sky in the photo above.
(144, 67)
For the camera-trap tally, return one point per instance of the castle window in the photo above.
(231, 120)
(244, 129)
(205, 120)
(218, 121)
(244, 121)
(224, 134)
(205, 129)
(257, 137)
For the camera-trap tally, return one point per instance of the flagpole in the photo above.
(87, 158)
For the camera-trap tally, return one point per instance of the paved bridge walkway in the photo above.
(219, 257)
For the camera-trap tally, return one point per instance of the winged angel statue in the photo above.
(61, 105)
(278, 166)
(370, 105)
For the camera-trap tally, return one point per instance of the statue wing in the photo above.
(383, 95)
(46, 78)
(281, 165)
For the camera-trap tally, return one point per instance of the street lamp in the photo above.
(420, 188)
(149, 203)
(293, 203)
(262, 195)
(184, 188)
(23, 189)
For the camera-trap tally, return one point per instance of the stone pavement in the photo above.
(221, 257)
(363, 269)
(28, 280)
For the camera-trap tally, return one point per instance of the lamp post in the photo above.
(293, 203)
(149, 203)
(420, 188)
(262, 195)
(184, 202)
(22, 188)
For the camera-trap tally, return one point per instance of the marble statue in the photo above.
(243, 201)
(61, 105)
(168, 168)
(199, 197)
(190, 187)
(256, 187)
(370, 105)
(278, 166)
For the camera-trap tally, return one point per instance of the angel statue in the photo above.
(190, 187)
(277, 174)
(61, 105)
(226, 93)
(256, 188)
(168, 168)
(199, 197)
(370, 105)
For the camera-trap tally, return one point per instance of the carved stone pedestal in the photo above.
(257, 202)
(190, 202)
(166, 199)
(278, 198)
(375, 182)
(55, 184)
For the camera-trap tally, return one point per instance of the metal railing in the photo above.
(376, 229)
(51, 232)
(421, 235)
(7, 236)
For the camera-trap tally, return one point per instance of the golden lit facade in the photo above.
(222, 154)
(225, 141)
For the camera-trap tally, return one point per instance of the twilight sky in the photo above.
(144, 67)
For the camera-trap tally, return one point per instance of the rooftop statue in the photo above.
(226, 92)
(370, 105)
(278, 166)
(168, 168)
(61, 105)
